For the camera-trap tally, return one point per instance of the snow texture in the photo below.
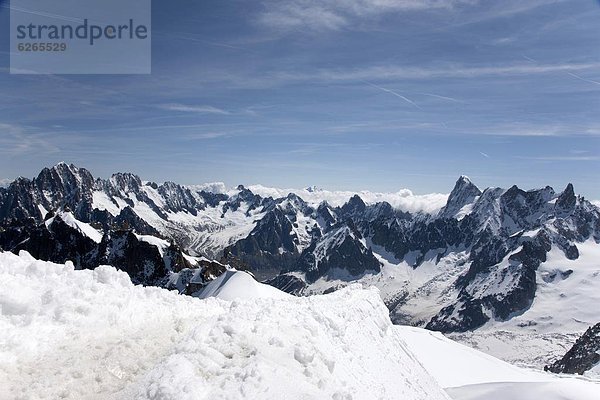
(92, 334)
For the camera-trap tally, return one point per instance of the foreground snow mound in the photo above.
(233, 285)
(338, 346)
(82, 334)
(92, 334)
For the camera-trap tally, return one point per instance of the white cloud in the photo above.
(201, 109)
(205, 135)
(5, 182)
(403, 200)
(449, 71)
(336, 14)
(563, 158)
(212, 187)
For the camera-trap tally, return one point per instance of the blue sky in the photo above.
(342, 94)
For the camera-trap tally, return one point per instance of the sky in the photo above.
(342, 94)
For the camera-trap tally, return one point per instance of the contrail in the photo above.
(441, 97)
(409, 101)
(186, 36)
(583, 79)
(42, 14)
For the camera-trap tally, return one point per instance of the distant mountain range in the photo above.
(486, 257)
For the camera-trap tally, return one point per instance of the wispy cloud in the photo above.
(335, 14)
(323, 15)
(450, 71)
(206, 135)
(201, 109)
(392, 73)
(561, 158)
(539, 130)
(16, 140)
(4, 182)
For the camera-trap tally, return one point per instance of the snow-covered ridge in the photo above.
(69, 219)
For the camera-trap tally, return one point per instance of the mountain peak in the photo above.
(354, 205)
(464, 193)
(567, 199)
(463, 179)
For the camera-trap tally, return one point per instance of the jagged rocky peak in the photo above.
(293, 204)
(567, 199)
(178, 198)
(63, 179)
(126, 182)
(464, 193)
(325, 212)
(354, 206)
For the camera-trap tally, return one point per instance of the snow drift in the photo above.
(92, 334)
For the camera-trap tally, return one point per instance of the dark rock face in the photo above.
(141, 260)
(271, 246)
(584, 354)
(128, 219)
(58, 242)
(339, 249)
(288, 283)
(179, 199)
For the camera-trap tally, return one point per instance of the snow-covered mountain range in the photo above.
(493, 260)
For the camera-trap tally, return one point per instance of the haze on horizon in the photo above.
(359, 94)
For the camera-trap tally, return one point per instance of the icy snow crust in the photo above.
(94, 335)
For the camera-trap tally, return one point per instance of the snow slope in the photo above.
(93, 335)
(468, 374)
(82, 227)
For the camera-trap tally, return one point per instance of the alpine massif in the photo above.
(488, 264)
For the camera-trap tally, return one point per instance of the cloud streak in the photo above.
(201, 109)
(323, 15)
